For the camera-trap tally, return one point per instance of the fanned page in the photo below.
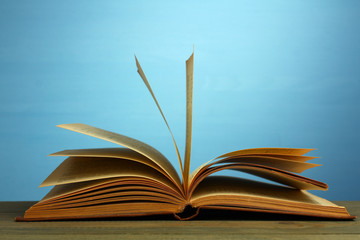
(143, 77)
(121, 184)
(220, 192)
(136, 145)
(185, 171)
(287, 153)
(164, 168)
(189, 106)
(80, 169)
(275, 164)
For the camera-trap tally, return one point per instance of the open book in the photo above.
(137, 180)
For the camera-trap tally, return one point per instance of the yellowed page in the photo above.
(65, 189)
(220, 192)
(78, 189)
(282, 164)
(289, 151)
(110, 198)
(125, 141)
(288, 179)
(122, 153)
(225, 185)
(80, 169)
(273, 174)
(189, 106)
(104, 210)
(255, 151)
(284, 156)
(143, 77)
(63, 193)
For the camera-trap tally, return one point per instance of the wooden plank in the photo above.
(248, 226)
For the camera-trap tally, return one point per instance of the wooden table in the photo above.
(211, 225)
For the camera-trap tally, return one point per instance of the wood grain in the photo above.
(209, 225)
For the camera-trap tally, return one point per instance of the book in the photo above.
(137, 180)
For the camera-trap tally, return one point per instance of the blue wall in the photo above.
(267, 74)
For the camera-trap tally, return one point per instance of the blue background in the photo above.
(267, 74)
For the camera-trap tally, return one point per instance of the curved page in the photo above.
(122, 153)
(225, 185)
(189, 107)
(283, 156)
(125, 141)
(288, 151)
(79, 188)
(80, 169)
(143, 77)
(269, 173)
(220, 192)
(278, 163)
(291, 153)
(104, 192)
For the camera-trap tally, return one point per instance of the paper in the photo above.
(189, 104)
(122, 153)
(125, 141)
(289, 153)
(269, 173)
(143, 77)
(80, 169)
(282, 164)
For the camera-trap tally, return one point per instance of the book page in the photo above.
(80, 169)
(125, 141)
(279, 163)
(220, 192)
(286, 178)
(189, 106)
(67, 189)
(121, 153)
(222, 185)
(283, 156)
(143, 77)
(96, 187)
(288, 153)
(273, 174)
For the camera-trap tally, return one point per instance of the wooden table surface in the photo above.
(210, 225)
